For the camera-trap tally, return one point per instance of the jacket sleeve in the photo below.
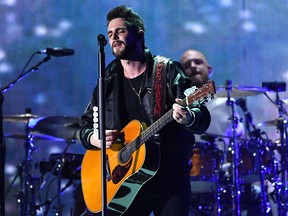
(202, 120)
(87, 117)
(87, 121)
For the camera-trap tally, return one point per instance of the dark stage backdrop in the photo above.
(245, 41)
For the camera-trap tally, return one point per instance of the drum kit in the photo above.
(229, 182)
(60, 166)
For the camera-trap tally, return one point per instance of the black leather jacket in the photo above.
(177, 139)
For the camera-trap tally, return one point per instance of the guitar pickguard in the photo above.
(120, 171)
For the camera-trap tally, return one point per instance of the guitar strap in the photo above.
(159, 87)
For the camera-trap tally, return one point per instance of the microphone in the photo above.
(101, 39)
(57, 52)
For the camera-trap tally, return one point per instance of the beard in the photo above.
(126, 52)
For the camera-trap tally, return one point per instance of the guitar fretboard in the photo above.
(199, 97)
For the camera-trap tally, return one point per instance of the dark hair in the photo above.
(132, 20)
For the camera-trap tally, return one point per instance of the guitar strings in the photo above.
(129, 146)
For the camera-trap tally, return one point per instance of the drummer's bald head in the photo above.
(195, 54)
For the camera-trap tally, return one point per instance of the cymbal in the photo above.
(64, 127)
(20, 118)
(273, 122)
(33, 135)
(239, 91)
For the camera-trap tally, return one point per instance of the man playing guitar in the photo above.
(150, 127)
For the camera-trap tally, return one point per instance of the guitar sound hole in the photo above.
(125, 154)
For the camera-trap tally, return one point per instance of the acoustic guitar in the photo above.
(128, 163)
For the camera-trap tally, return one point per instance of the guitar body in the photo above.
(124, 178)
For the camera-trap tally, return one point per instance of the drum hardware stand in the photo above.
(281, 122)
(282, 128)
(220, 181)
(18, 174)
(278, 187)
(265, 205)
(219, 189)
(20, 195)
(281, 186)
(49, 201)
(58, 166)
(26, 196)
(235, 152)
(255, 137)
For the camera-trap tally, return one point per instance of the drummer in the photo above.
(220, 130)
(199, 71)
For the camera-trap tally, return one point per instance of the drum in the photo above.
(252, 158)
(206, 161)
(71, 165)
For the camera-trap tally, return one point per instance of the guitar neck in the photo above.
(199, 97)
(156, 126)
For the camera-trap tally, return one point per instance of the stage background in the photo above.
(245, 42)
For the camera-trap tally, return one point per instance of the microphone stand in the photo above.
(101, 89)
(2, 140)
(235, 149)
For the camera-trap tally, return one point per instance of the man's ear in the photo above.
(210, 70)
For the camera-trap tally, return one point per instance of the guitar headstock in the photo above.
(200, 96)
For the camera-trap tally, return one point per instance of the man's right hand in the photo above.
(110, 138)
